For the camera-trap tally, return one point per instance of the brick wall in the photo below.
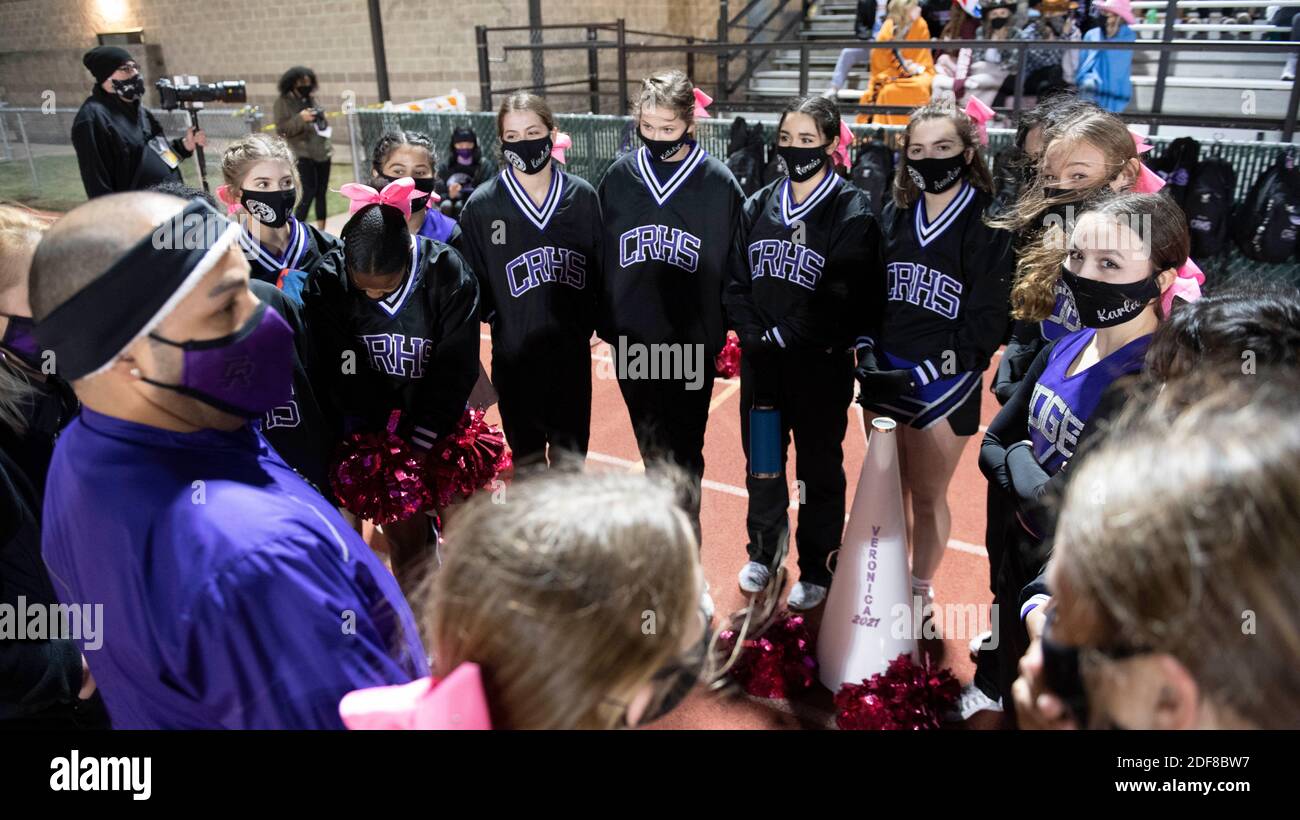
(430, 45)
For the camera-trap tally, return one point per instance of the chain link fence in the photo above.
(38, 166)
(599, 139)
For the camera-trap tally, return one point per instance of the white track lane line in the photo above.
(728, 489)
(740, 492)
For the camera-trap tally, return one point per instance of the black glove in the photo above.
(755, 343)
(883, 385)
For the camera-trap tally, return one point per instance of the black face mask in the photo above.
(129, 90)
(1061, 673)
(674, 682)
(304, 91)
(663, 149)
(802, 163)
(934, 175)
(528, 156)
(1105, 304)
(271, 208)
(996, 23)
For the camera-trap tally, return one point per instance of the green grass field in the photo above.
(60, 183)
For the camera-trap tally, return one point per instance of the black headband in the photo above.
(94, 327)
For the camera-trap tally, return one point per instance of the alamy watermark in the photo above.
(25, 621)
(637, 361)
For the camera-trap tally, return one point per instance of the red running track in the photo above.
(962, 578)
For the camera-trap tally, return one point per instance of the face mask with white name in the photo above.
(1106, 304)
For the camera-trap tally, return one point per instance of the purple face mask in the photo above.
(246, 373)
(465, 156)
(20, 340)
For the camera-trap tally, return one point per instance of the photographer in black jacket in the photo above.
(120, 144)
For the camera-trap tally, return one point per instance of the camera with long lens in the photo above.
(173, 95)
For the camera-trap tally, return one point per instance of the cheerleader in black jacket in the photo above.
(261, 187)
(948, 275)
(813, 275)
(672, 230)
(394, 323)
(532, 236)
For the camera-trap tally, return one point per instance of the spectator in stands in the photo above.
(991, 66)
(1285, 16)
(1048, 70)
(865, 25)
(1105, 75)
(537, 617)
(120, 144)
(1175, 583)
(900, 76)
(464, 169)
(302, 124)
(951, 68)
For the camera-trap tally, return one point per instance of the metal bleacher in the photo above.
(1206, 83)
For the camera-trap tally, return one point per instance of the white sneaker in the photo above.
(972, 700)
(805, 596)
(753, 577)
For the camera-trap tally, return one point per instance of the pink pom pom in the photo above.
(377, 476)
(778, 663)
(906, 696)
(727, 362)
(467, 459)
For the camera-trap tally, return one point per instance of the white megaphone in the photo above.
(861, 629)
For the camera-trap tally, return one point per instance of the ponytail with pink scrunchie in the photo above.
(562, 143)
(223, 195)
(980, 114)
(1148, 181)
(702, 102)
(841, 155)
(1186, 286)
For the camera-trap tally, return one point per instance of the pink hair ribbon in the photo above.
(702, 102)
(841, 155)
(223, 194)
(1140, 142)
(1186, 286)
(396, 194)
(981, 114)
(455, 702)
(563, 142)
(1148, 182)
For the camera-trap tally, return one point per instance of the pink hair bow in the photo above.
(1186, 285)
(981, 114)
(223, 195)
(702, 102)
(396, 194)
(455, 702)
(1140, 142)
(841, 155)
(562, 143)
(1148, 182)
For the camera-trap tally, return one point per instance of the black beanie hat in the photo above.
(104, 60)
